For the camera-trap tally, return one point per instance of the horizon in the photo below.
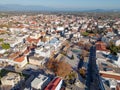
(67, 4)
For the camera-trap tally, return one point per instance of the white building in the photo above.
(35, 35)
(55, 42)
(4, 60)
(40, 82)
(37, 60)
(11, 79)
(60, 28)
(45, 52)
(117, 62)
(117, 43)
(113, 83)
(13, 41)
(2, 51)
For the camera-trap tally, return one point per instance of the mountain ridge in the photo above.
(17, 7)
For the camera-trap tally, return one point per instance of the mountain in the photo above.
(15, 7)
(103, 10)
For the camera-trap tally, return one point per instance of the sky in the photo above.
(83, 4)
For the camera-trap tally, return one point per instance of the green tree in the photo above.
(113, 49)
(5, 46)
(1, 39)
(85, 33)
(72, 57)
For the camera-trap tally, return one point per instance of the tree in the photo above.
(60, 68)
(5, 46)
(82, 72)
(85, 34)
(72, 57)
(71, 77)
(113, 49)
(1, 39)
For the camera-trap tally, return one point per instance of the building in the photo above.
(40, 82)
(37, 60)
(55, 42)
(117, 43)
(45, 52)
(101, 48)
(117, 62)
(118, 87)
(113, 79)
(59, 57)
(20, 61)
(2, 51)
(56, 84)
(113, 83)
(11, 79)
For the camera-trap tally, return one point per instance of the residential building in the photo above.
(21, 61)
(40, 82)
(37, 60)
(12, 79)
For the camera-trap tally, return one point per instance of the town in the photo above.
(60, 51)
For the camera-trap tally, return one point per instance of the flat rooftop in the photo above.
(37, 58)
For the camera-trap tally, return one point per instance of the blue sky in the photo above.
(83, 4)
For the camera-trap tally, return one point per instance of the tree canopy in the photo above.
(5, 45)
(1, 40)
(60, 68)
(113, 49)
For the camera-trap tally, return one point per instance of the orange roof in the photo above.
(20, 59)
(108, 75)
(33, 22)
(14, 55)
(110, 30)
(32, 40)
(26, 51)
(42, 33)
(53, 84)
(101, 46)
(118, 87)
(1, 55)
(91, 35)
(2, 31)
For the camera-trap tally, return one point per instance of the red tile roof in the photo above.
(14, 55)
(28, 49)
(110, 75)
(118, 87)
(110, 30)
(32, 40)
(101, 46)
(20, 59)
(53, 84)
(42, 33)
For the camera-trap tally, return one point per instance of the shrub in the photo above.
(5, 46)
